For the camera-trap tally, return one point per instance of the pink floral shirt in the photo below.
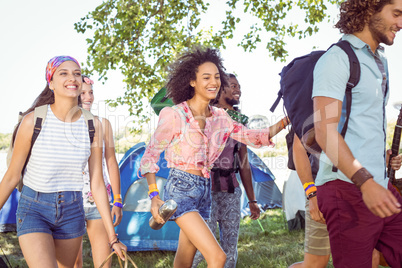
(187, 147)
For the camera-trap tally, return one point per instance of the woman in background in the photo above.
(95, 228)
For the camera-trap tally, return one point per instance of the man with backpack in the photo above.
(365, 215)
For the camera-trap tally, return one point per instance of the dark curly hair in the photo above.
(185, 68)
(355, 14)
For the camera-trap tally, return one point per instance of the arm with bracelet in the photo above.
(113, 171)
(168, 126)
(153, 194)
(303, 169)
(379, 200)
(98, 190)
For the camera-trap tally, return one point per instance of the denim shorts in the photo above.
(191, 193)
(60, 214)
(92, 213)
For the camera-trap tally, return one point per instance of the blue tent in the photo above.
(266, 191)
(134, 230)
(8, 213)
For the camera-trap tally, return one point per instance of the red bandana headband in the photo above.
(54, 63)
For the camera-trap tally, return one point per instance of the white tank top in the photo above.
(58, 156)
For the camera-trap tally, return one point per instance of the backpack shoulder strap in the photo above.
(89, 121)
(354, 78)
(40, 113)
(354, 63)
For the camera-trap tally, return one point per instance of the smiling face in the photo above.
(207, 81)
(87, 96)
(66, 80)
(385, 24)
(231, 94)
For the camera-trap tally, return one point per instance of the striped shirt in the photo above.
(58, 156)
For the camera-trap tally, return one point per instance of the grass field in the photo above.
(272, 247)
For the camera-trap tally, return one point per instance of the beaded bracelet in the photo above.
(118, 204)
(114, 242)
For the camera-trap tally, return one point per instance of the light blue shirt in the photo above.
(366, 133)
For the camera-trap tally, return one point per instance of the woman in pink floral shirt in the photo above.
(193, 134)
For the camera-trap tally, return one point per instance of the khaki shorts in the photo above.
(316, 240)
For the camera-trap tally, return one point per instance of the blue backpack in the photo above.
(296, 90)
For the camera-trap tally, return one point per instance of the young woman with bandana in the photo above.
(193, 133)
(50, 215)
(111, 176)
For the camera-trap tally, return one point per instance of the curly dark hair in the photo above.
(185, 68)
(355, 14)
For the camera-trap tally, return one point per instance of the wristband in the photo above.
(282, 123)
(152, 191)
(307, 184)
(360, 177)
(152, 186)
(117, 196)
(118, 204)
(153, 194)
(311, 190)
(252, 201)
(308, 187)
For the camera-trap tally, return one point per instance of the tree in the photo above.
(142, 37)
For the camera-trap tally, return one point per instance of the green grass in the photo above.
(274, 247)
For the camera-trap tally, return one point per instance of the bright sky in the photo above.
(35, 31)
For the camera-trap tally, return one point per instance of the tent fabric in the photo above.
(266, 192)
(294, 201)
(8, 213)
(134, 230)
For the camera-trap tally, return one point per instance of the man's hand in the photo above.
(314, 211)
(378, 200)
(395, 161)
(255, 211)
